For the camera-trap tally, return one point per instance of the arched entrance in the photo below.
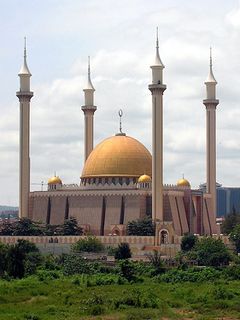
(164, 236)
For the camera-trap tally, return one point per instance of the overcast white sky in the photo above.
(120, 37)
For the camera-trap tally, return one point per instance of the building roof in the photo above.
(118, 156)
(54, 180)
(144, 178)
(183, 183)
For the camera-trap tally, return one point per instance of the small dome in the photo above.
(183, 183)
(54, 180)
(144, 178)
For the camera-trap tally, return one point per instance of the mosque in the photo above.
(121, 181)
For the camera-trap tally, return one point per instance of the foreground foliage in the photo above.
(103, 297)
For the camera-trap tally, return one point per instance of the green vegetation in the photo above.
(122, 252)
(235, 237)
(27, 227)
(188, 242)
(89, 244)
(230, 222)
(210, 252)
(95, 297)
(141, 227)
(34, 286)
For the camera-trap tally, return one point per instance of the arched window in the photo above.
(164, 237)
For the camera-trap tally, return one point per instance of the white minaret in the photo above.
(211, 103)
(157, 88)
(24, 95)
(88, 110)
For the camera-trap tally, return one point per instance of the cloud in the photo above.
(120, 39)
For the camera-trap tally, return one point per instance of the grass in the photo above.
(74, 298)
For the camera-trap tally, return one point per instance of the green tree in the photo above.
(141, 227)
(230, 222)
(3, 258)
(7, 228)
(22, 258)
(127, 270)
(123, 251)
(15, 262)
(89, 244)
(210, 252)
(234, 236)
(70, 227)
(188, 242)
(26, 227)
(157, 262)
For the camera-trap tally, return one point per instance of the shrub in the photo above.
(141, 227)
(96, 310)
(127, 270)
(47, 275)
(89, 244)
(156, 261)
(123, 251)
(188, 242)
(75, 265)
(138, 299)
(190, 275)
(211, 252)
(235, 237)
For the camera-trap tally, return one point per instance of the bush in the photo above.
(188, 242)
(127, 270)
(210, 252)
(235, 237)
(89, 244)
(75, 265)
(96, 310)
(47, 275)
(141, 227)
(190, 275)
(123, 251)
(157, 263)
(138, 299)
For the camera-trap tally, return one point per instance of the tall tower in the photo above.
(88, 110)
(24, 95)
(211, 103)
(157, 88)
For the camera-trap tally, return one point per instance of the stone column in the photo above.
(24, 160)
(88, 129)
(157, 150)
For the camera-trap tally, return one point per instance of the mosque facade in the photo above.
(121, 180)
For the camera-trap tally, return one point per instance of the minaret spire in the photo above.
(157, 88)
(24, 95)
(211, 104)
(89, 84)
(158, 61)
(210, 77)
(24, 69)
(88, 110)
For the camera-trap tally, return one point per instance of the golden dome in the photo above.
(54, 180)
(144, 178)
(118, 156)
(183, 183)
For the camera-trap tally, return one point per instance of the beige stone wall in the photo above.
(140, 246)
(132, 208)
(87, 210)
(58, 205)
(112, 214)
(39, 211)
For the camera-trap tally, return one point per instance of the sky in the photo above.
(120, 38)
